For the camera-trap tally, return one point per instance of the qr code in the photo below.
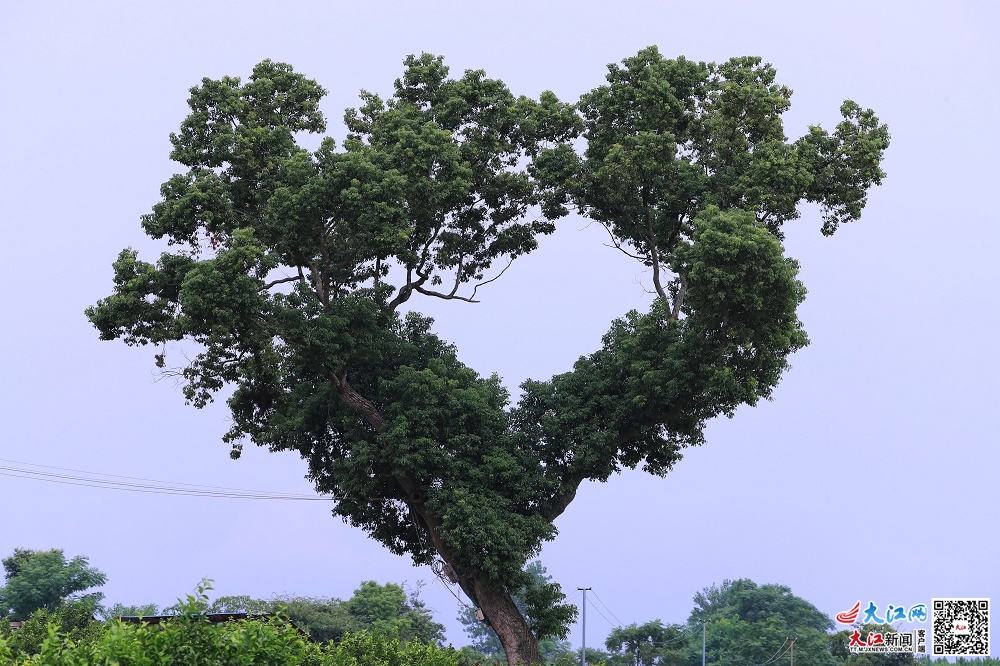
(960, 627)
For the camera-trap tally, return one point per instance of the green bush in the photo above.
(191, 640)
(74, 621)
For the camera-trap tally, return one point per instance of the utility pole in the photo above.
(702, 644)
(583, 650)
(792, 650)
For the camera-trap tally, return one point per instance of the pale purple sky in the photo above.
(871, 475)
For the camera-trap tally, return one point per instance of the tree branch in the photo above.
(447, 297)
(458, 275)
(618, 246)
(563, 499)
(273, 283)
(679, 298)
(406, 290)
(654, 256)
(492, 279)
(356, 401)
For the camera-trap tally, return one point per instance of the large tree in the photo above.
(289, 269)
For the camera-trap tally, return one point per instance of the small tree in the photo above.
(74, 621)
(648, 644)
(388, 609)
(748, 624)
(38, 579)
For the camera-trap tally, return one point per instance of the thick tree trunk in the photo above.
(518, 641)
(516, 637)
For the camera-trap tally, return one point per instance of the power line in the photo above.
(87, 479)
(119, 476)
(608, 609)
(606, 618)
(439, 577)
(681, 636)
(777, 655)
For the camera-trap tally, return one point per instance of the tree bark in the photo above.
(518, 641)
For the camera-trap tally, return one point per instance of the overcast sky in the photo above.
(872, 475)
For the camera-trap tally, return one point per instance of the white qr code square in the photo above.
(960, 627)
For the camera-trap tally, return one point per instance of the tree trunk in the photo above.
(518, 641)
(516, 637)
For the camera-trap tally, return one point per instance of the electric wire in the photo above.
(681, 636)
(159, 487)
(119, 476)
(776, 655)
(606, 618)
(607, 609)
(145, 488)
(87, 479)
(440, 578)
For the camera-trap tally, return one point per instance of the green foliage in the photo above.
(75, 622)
(120, 609)
(288, 269)
(748, 624)
(649, 644)
(387, 609)
(372, 647)
(749, 601)
(469, 656)
(323, 619)
(44, 579)
(189, 639)
(667, 138)
(238, 604)
(373, 607)
(595, 657)
(960, 661)
(537, 601)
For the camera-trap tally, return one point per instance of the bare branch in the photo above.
(447, 297)
(425, 250)
(679, 298)
(406, 290)
(273, 283)
(492, 279)
(616, 244)
(653, 253)
(458, 276)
